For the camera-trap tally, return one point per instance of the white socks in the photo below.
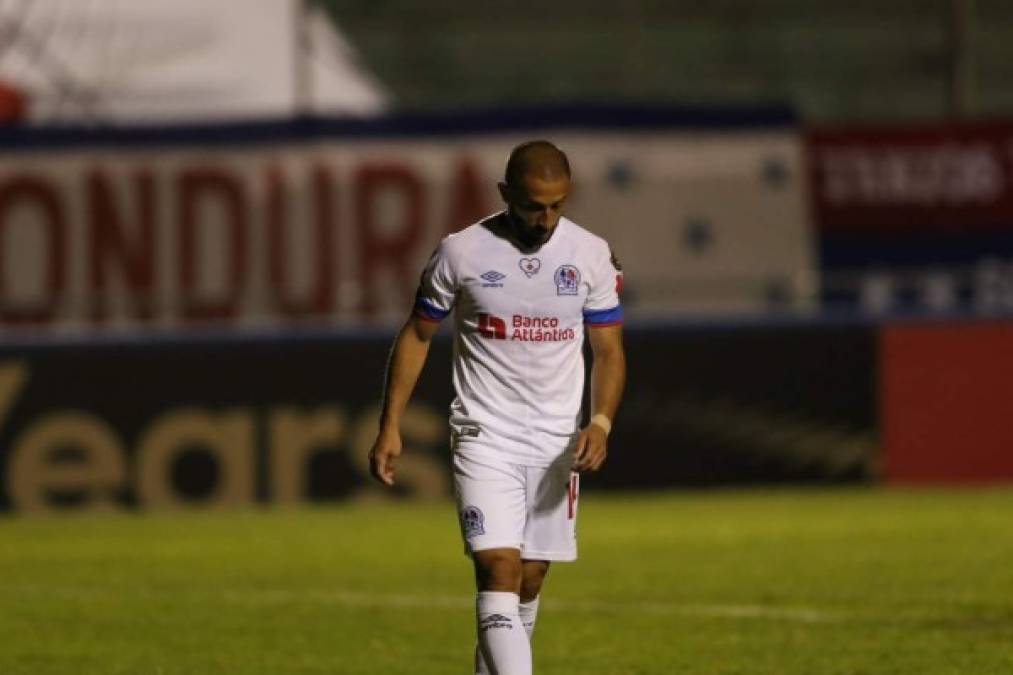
(504, 628)
(504, 651)
(529, 613)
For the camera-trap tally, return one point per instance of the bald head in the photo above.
(536, 186)
(537, 159)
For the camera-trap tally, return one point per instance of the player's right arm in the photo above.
(406, 360)
(433, 302)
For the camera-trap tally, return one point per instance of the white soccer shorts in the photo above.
(505, 505)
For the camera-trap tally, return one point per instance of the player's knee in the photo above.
(498, 570)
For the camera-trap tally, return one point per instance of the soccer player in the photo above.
(523, 284)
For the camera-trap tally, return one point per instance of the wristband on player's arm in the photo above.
(602, 422)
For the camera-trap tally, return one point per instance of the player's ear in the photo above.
(504, 191)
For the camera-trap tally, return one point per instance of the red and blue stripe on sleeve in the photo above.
(604, 317)
(427, 310)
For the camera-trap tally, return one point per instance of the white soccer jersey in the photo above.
(519, 332)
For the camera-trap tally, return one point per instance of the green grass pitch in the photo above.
(784, 582)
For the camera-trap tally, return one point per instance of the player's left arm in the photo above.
(608, 378)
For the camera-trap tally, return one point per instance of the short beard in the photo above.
(529, 237)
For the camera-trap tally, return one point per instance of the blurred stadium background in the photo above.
(213, 214)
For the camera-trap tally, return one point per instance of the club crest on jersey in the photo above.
(530, 266)
(472, 521)
(567, 279)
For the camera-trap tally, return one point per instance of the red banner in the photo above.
(947, 403)
(912, 179)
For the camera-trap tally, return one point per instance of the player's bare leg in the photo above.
(532, 576)
(503, 644)
(498, 569)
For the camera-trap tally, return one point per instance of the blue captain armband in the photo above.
(604, 317)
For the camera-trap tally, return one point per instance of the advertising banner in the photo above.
(914, 219)
(884, 180)
(166, 425)
(947, 402)
(202, 423)
(747, 405)
(330, 222)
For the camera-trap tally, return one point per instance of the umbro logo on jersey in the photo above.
(530, 266)
(493, 279)
(492, 276)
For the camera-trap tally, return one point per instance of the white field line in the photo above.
(269, 597)
(382, 600)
